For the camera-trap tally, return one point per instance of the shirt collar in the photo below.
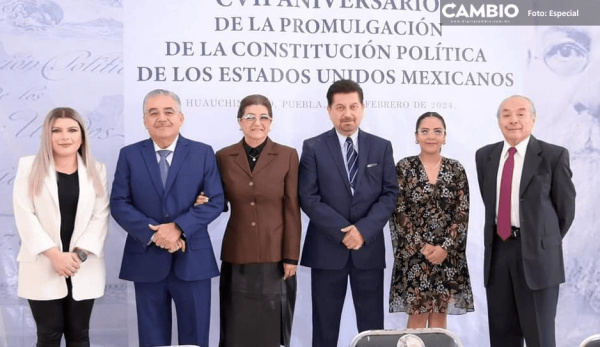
(342, 139)
(521, 147)
(259, 148)
(170, 148)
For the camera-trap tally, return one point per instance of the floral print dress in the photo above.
(437, 214)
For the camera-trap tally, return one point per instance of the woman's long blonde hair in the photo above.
(44, 158)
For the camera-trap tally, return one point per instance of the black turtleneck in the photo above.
(253, 153)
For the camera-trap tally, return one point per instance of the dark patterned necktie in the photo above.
(503, 224)
(352, 158)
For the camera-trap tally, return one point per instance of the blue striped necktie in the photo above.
(163, 165)
(352, 161)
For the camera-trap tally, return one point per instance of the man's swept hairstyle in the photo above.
(157, 92)
(344, 87)
(531, 105)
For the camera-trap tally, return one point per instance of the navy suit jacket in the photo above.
(326, 198)
(546, 208)
(138, 199)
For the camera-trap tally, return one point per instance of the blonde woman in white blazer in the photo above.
(61, 211)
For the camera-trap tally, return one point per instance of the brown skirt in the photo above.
(257, 305)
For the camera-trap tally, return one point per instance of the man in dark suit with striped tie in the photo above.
(529, 203)
(348, 188)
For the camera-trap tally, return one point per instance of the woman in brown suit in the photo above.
(261, 245)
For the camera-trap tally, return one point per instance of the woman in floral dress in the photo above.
(430, 278)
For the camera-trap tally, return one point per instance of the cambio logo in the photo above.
(483, 11)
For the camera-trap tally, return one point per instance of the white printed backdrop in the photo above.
(102, 56)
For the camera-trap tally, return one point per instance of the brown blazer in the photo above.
(264, 225)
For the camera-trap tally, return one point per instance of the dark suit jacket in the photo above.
(546, 208)
(138, 199)
(264, 225)
(326, 198)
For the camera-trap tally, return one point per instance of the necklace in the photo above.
(254, 157)
(429, 167)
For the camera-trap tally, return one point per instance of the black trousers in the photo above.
(329, 292)
(516, 312)
(53, 318)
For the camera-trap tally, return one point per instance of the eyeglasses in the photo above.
(264, 118)
(565, 51)
(435, 132)
(566, 59)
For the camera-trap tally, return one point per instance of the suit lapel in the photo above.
(51, 200)
(363, 155)
(530, 163)
(181, 152)
(336, 153)
(268, 154)
(149, 157)
(492, 165)
(239, 158)
(51, 184)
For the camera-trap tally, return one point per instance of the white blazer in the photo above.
(38, 224)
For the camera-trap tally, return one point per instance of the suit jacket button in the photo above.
(253, 224)
(251, 183)
(252, 203)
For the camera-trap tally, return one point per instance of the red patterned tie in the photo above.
(504, 223)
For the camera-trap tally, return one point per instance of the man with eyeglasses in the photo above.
(529, 201)
(348, 188)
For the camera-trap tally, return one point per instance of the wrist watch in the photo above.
(81, 254)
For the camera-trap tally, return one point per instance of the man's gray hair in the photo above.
(531, 105)
(157, 92)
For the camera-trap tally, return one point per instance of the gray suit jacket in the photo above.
(546, 208)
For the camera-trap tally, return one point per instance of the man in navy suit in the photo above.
(348, 188)
(168, 254)
(523, 266)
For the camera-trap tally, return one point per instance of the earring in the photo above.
(417, 142)
(444, 143)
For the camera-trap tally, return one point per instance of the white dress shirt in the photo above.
(516, 179)
(171, 148)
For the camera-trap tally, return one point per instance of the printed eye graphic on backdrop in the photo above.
(566, 51)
